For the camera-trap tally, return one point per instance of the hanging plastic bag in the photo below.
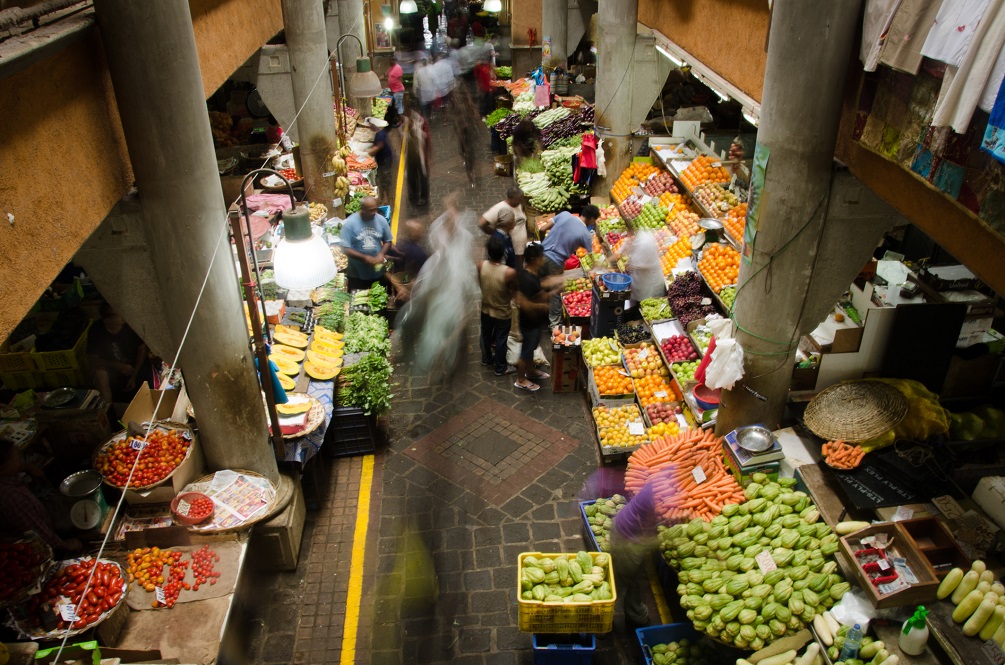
(601, 160)
(726, 366)
(644, 262)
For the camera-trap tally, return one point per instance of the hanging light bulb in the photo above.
(408, 7)
(493, 6)
(389, 24)
(302, 260)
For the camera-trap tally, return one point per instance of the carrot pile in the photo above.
(356, 163)
(669, 462)
(841, 455)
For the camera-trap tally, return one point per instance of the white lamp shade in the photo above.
(364, 83)
(304, 264)
(493, 6)
(408, 7)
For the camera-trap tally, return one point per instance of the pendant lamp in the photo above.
(364, 83)
(493, 6)
(303, 259)
(408, 7)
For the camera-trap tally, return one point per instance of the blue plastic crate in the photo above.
(574, 649)
(588, 537)
(385, 212)
(653, 635)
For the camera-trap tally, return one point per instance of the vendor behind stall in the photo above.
(20, 509)
(366, 239)
(118, 358)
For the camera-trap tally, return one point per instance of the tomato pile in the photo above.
(19, 567)
(146, 568)
(164, 451)
(202, 566)
(578, 303)
(290, 174)
(67, 586)
(199, 507)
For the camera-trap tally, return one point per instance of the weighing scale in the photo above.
(90, 508)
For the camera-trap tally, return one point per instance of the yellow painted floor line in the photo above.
(397, 190)
(354, 595)
(657, 588)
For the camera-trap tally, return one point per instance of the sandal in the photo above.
(532, 388)
(540, 376)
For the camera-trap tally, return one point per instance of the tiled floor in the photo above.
(472, 475)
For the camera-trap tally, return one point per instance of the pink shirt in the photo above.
(394, 78)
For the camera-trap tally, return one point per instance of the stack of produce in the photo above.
(609, 212)
(671, 202)
(366, 333)
(331, 314)
(318, 212)
(833, 635)
(735, 221)
(540, 193)
(614, 426)
(595, 247)
(655, 309)
(578, 303)
(979, 601)
(684, 371)
(660, 183)
(663, 413)
(704, 169)
(645, 360)
(728, 296)
(717, 199)
(665, 427)
(544, 119)
(600, 515)
(682, 652)
(578, 284)
(683, 222)
(653, 389)
(631, 207)
(720, 265)
(549, 580)
(564, 132)
(811, 655)
(673, 254)
(685, 298)
(758, 570)
(702, 337)
(379, 107)
(679, 348)
(586, 116)
(841, 455)
(631, 177)
(367, 384)
(558, 166)
(672, 465)
(611, 381)
(509, 122)
(504, 72)
(601, 351)
(493, 118)
(355, 162)
(524, 102)
(631, 334)
(615, 223)
(650, 217)
(324, 358)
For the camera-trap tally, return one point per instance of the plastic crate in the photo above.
(350, 432)
(15, 362)
(588, 537)
(539, 617)
(21, 380)
(653, 635)
(65, 359)
(564, 649)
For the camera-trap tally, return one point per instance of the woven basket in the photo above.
(855, 411)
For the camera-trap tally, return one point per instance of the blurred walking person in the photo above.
(397, 88)
(418, 149)
(532, 300)
(443, 74)
(424, 86)
(466, 127)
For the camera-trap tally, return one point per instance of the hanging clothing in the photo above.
(990, 93)
(994, 135)
(962, 88)
(875, 25)
(908, 31)
(953, 31)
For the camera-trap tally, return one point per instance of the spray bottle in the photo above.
(913, 636)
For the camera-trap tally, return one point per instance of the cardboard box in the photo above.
(275, 544)
(231, 185)
(174, 407)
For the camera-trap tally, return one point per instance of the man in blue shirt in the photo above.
(566, 234)
(366, 239)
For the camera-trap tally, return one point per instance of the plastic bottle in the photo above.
(913, 636)
(852, 642)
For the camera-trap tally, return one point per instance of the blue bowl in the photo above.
(616, 281)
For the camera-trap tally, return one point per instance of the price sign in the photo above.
(636, 428)
(706, 301)
(765, 563)
(903, 513)
(644, 353)
(624, 373)
(716, 165)
(159, 595)
(68, 612)
(137, 444)
(699, 475)
(183, 507)
(993, 652)
(660, 393)
(328, 175)
(613, 345)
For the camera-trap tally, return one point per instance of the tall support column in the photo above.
(352, 19)
(616, 49)
(152, 45)
(307, 42)
(800, 112)
(555, 24)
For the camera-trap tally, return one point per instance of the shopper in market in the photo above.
(366, 239)
(20, 509)
(532, 300)
(566, 233)
(424, 87)
(118, 358)
(418, 149)
(395, 85)
(504, 232)
(498, 283)
(466, 128)
(409, 255)
(513, 201)
(383, 155)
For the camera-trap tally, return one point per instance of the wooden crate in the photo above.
(921, 593)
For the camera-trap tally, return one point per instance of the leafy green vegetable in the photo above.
(367, 384)
(330, 314)
(492, 118)
(378, 297)
(364, 332)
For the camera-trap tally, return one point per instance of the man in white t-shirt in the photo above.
(489, 219)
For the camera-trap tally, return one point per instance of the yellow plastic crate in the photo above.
(539, 617)
(66, 359)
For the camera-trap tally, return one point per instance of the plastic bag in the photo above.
(726, 366)
(853, 609)
(513, 353)
(644, 261)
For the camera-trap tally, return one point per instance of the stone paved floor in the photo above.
(473, 474)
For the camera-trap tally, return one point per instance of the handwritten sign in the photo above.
(159, 595)
(903, 513)
(993, 652)
(137, 444)
(765, 563)
(68, 612)
(660, 393)
(183, 507)
(636, 428)
(643, 354)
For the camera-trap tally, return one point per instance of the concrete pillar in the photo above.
(151, 46)
(801, 107)
(555, 24)
(353, 21)
(616, 49)
(307, 43)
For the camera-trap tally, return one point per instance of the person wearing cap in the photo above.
(382, 154)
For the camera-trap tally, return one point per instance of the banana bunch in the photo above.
(342, 187)
(338, 165)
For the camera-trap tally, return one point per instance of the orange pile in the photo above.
(720, 265)
(597, 249)
(677, 200)
(610, 380)
(684, 223)
(647, 388)
(701, 170)
(735, 221)
(637, 172)
(675, 253)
